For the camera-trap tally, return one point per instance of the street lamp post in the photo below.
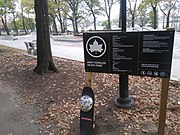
(123, 101)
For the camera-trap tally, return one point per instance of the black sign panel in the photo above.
(97, 51)
(132, 53)
(123, 52)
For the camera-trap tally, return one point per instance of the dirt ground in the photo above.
(53, 98)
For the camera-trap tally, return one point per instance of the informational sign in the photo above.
(147, 53)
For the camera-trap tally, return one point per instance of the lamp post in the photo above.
(123, 101)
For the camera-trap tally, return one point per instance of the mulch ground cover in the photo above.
(56, 95)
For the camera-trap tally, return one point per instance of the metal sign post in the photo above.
(123, 101)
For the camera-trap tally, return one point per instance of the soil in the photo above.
(52, 99)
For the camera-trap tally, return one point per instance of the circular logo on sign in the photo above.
(96, 46)
(162, 74)
(156, 73)
(143, 72)
(149, 73)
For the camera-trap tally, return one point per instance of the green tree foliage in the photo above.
(74, 14)
(133, 11)
(151, 19)
(104, 24)
(19, 24)
(53, 12)
(154, 5)
(166, 6)
(5, 7)
(107, 7)
(14, 16)
(27, 8)
(58, 10)
(63, 11)
(93, 9)
(144, 16)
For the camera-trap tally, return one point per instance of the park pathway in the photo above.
(16, 117)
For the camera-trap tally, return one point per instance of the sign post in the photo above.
(163, 106)
(89, 79)
(163, 103)
(142, 53)
(123, 101)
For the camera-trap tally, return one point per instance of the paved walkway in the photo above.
(63, 49)
(16, 117)
(73, 49)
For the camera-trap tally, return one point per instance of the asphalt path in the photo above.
(16, 117)
(71, 47)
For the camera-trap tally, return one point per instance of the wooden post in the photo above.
(89, 79)
(89, 83)
(163, 106)
(163, 101)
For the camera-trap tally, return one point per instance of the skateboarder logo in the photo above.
(96, 46)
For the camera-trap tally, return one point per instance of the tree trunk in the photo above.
(120, 15)
(5, 26)
(155, 18)
(30, 23)
(60, 21)
(23, 22)
(76, 25)
(14, 22)
(94, 17)
(65, 25)
(133, 20)
(109, 22)
(109, 18)
(167, 19)
(73, 24)
(5, 23)
(54, 24)
(163, 19)
(44, 54)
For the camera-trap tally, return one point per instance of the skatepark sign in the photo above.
(145, 53)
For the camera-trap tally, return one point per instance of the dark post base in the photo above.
(124, 103)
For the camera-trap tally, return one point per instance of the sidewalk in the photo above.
(63, 49)
(16, 117)
(74, 50)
